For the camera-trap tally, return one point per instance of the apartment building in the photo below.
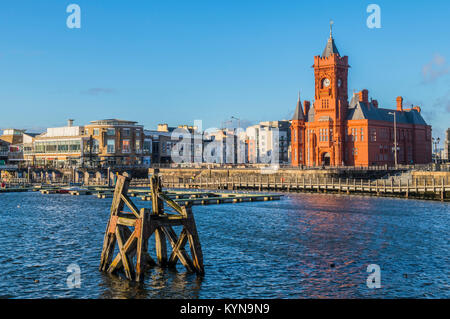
(268, 141)
(102, 143)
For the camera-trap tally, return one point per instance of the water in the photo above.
(280, 249)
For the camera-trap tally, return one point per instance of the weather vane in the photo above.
(331, 27)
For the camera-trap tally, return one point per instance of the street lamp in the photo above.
(436, 143)
(239, 121)
(395, 137)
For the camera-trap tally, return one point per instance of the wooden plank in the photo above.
(130, 205)
(130, 245)
(126, 221)
(170, 202)
(178, 251)
(194, 241)
(161, 247)
(129, 273)
(116, 206)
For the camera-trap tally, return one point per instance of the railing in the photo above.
(8, 167)
(415, 187)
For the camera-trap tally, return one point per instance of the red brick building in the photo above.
(337, 132)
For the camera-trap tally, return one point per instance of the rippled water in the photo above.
(281, 249)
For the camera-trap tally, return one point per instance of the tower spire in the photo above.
(298, 114)
(331, 46)
(331, 28)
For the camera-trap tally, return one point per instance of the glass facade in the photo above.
(55, 147)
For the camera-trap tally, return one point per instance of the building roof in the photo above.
(367, 111)
(113, 122)
(32, 134)
(311, 114)
(330, 48)
(298, 114)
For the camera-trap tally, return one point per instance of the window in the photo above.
(126, 146)
(95, 146)
(373, 135)
(148, 145)
(63, 148)
(126, 132)
(111, 132)
(96, 132)
(325, 104)
(138, 146)
(362, 135)
(111, 146)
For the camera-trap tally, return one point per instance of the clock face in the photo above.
(339, 82)
(326, 82)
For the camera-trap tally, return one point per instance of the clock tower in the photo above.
(331, 104)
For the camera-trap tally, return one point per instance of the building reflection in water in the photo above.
(158, 283)
(335, 239)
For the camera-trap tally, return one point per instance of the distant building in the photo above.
(4, 152)
(266, 138)
(175, 144)
(446, 151)
(360, 133)
(18, 140)
(101, 143)
(114, 142)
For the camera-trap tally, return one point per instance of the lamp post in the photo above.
(239, 121)
(395, 137)
(436, 143)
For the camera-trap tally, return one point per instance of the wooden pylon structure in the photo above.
(132, 230)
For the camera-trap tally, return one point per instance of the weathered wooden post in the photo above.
(407, 188)
(135, 243)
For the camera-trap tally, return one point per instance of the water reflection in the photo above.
(158, 283)
(303, 246)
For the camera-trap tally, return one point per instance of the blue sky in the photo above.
(176, 61)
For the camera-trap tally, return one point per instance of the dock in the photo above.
(202, 198)
(186, 198)
(433, 189)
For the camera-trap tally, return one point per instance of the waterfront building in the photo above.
(333, 131)
(114, 142)
(266, 138)
(4, 152)
(175, 144)
(101, 143)
(446, 152)
(18, 140)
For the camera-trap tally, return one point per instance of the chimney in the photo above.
(375, 103)
(364, 96)
(69, 123)
(400, 104)
(306, 106)
(163, 128)
(417, 108)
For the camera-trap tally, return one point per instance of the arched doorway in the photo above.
(326, 159)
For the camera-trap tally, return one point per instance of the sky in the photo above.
(174, 62)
